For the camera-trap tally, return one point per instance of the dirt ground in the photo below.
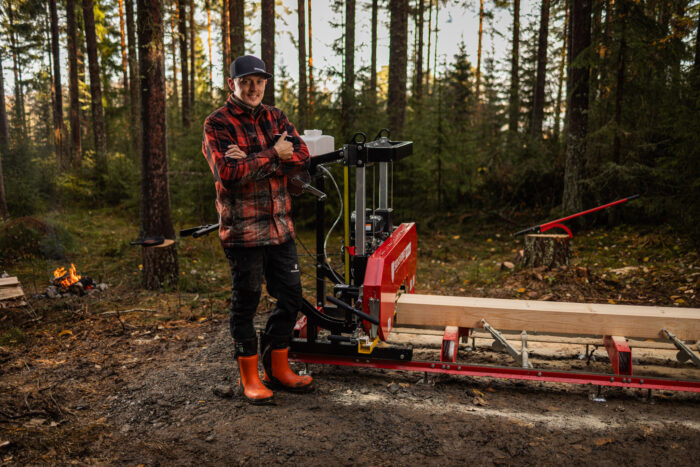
(155, 382)
(160, 394)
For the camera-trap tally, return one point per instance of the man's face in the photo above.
(249, 89)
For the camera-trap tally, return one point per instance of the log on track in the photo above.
(539, 316)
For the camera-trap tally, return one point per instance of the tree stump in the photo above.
(550, 250)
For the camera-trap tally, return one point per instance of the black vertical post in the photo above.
(311, 331)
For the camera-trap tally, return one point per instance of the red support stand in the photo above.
(450, 344)
(619, 353)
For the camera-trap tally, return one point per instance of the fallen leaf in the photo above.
(521, 290)
(477, 392)
(480, 402)
(456, 237)
(65, 333)
(603, 441)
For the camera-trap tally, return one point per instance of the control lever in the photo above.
(310, 188)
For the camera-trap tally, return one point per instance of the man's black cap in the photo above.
(248, 65)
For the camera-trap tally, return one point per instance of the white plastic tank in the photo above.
(317, 142)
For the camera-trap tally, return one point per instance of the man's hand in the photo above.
(234, 152)
(284, 148)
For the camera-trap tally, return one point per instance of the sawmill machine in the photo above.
(357, 307)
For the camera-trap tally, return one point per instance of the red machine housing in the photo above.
(392, 265)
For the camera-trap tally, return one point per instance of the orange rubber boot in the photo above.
(283, 376)
(253, 389)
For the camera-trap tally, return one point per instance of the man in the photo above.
(251, 149)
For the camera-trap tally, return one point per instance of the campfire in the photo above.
(71, 283)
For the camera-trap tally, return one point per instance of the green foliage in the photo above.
(29, 184)
(29, 237)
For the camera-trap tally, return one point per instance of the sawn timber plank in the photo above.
(546, 316)
(6, 281)
(11, 292)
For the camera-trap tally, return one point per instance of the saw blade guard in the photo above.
(390, 267)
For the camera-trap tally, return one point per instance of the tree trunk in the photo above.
(225, 44)
(135, 95)
(98, 124)
(607, 40)
(418, 90)
(373, 59)
(696, 65)
(301, 20)
(58, 130)
(193, 29)
(82, 80)
(267, 46)
(211, 62)
(514, 104)
(125, 62)
(538, 101)
(430, 35)
(160, 265)
(549, 250)
(4, 144)
(173, 51)
(185, 76)
(398, 59)
(73, 86)
(562, 69)
(478, 51)
(621, 8)
(347, 111)
(19, 93)
(236, 25)
(311, 72)
(4, 129)
(578, 108)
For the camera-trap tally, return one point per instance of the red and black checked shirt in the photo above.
(251, 194)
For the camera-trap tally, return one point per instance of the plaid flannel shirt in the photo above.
(252, 199)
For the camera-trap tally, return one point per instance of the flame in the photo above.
(71, 277)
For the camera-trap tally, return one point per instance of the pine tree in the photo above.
(538, 98)
(347, 111)
(236, 24)
(514, 106)
(578, 107)
(398, 60)
(160, 266)
(185, 76)
(4, 143)
(73, 86)
(303, 99)
(57, 89)
(267, 43)
(98, 124)
(135, 95)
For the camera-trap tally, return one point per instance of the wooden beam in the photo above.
(540, 316)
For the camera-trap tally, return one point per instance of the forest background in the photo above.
(593, 101)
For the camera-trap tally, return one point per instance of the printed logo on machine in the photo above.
(396, 264)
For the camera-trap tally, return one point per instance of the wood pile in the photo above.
(11, 293)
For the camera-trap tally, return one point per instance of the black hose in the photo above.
(352, 309)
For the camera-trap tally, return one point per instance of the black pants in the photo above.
(279, 266)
